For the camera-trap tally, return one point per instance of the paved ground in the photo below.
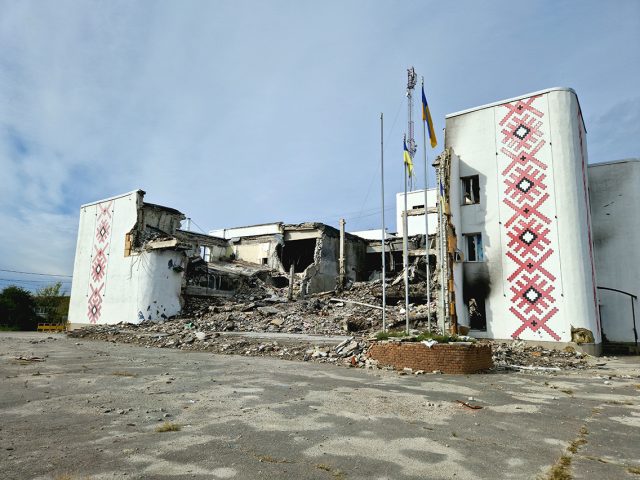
(90, 410)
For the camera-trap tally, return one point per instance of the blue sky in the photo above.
(242, 112)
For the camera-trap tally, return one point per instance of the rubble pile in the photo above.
(317, 314)
(518, 355)
(188, 336)
(216, 324)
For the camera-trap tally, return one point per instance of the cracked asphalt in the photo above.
(91, 409)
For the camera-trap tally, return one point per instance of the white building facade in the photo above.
(112, 282)
(520, 205)
(615, 197)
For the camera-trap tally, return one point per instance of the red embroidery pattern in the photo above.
(529, 247)
(99, 261)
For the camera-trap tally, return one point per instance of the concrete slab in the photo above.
(90, 410)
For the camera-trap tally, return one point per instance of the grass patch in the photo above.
(420, 337)
(561, 469)
(619, 402)
(576, 444)
(168, 427)
(124, 373)
(7, 328)
(634, 470)
(336, 474)
(568, 391)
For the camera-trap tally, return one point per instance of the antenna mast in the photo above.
(412, 79)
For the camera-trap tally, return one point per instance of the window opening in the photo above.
(300, 253)
(474, 247)
(477, 314)
(470, 190)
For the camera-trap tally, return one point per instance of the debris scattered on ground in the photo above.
(216, 325)
(518, 355)
(28, 359)
(468, 405)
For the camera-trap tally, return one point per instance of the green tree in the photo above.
(53, 302)
(18, 309)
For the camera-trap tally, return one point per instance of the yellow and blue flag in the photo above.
(426, 117)
(407, 159)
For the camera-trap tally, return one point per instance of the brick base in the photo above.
(448, 358)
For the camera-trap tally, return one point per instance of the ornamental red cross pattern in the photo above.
(100, 260)
(529, 247)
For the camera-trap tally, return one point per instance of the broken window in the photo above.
(474, 247)
(205, 253)
(298, 253)
(470, 190)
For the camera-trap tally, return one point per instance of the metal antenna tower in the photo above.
(412, 79)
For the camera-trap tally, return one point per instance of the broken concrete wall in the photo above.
(323, 274)
(210, 248)
(356, 259)
(261, 250)
(113, 282)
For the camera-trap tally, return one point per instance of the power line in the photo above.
(34, 273)
(201, 229)
(18, 280)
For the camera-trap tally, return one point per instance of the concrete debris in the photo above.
(468, 405)
(233, 325)
(518, 355)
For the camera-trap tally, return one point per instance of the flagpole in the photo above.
(384, 240)
(405, 252)
(426, 217)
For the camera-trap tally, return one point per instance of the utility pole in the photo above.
(341, 277)
(384, 231)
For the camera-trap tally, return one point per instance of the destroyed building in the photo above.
(133, 262)
(526, 240)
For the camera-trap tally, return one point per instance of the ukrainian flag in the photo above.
(407, 159)
(426, 117)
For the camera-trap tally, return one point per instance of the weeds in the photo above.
(560, 470)
(168, 427)
(124, 373)
(420, 337)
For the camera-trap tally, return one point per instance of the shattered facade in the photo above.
(133, 263)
